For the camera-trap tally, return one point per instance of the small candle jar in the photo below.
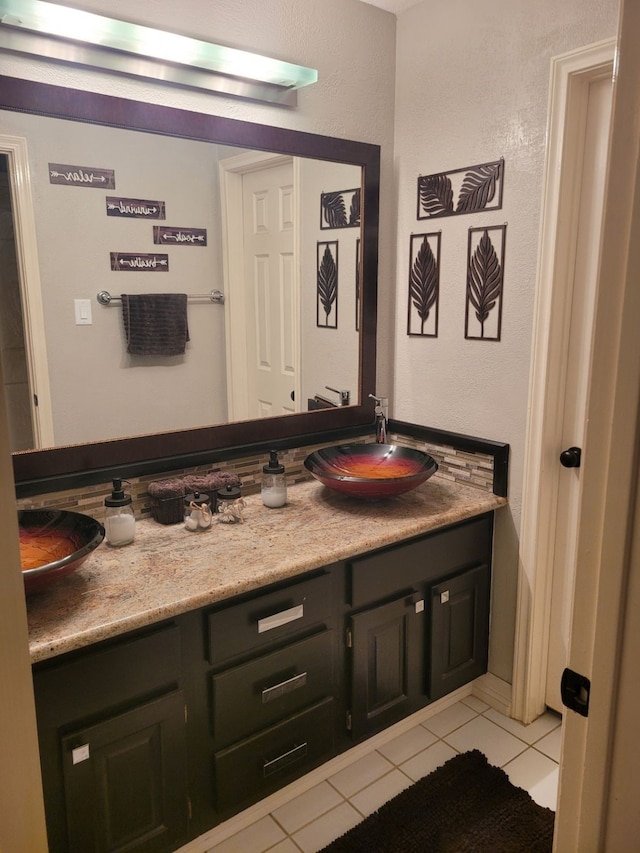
(230, 504)
(197, 511)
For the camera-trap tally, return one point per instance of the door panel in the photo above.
(125, 780)
(578, 358)
(270, 278)
(387, 665)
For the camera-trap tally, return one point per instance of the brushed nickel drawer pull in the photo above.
(288, 686)
(279, 619)
(284, 760)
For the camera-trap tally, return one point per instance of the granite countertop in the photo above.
(169, 570)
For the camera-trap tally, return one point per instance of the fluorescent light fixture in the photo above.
(72, 35)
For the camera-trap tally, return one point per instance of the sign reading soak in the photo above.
(142, 263)
(163, 235)
(82, 176)
(135, 208)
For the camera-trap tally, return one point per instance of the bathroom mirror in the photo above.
(76, 114)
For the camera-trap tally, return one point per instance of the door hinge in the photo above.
(348, 638)
(35, 400)
(348, 721)
(186, 714)
(189, 808)
(575, 690)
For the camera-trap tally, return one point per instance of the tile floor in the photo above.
(528, 754)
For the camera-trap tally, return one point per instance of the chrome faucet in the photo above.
(381, 412)
(345, 396)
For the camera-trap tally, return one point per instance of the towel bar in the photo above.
(104, 297)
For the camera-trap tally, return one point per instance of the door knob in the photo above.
(570, 457)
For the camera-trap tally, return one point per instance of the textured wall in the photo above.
(472, 86)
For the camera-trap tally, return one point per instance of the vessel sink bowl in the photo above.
(370, 470)
(53, 543)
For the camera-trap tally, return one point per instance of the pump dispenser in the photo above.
(119, 520)
(274, 484)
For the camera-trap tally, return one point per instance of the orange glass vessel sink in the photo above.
(53, 543)
(371, 470)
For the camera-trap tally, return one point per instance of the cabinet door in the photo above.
(459, 630)
(125, 781)
(387, 680)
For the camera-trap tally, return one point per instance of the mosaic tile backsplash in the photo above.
(474, 469)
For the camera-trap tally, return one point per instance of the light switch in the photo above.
(83, 312)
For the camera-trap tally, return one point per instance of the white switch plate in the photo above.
(83, 312)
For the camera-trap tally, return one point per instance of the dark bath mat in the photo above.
(465, 806)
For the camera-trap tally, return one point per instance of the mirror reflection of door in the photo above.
(12, 343)
(262, 285)
(22, 344)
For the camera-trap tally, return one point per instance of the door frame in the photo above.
(571, 75)
(15, 147)
(232, 169)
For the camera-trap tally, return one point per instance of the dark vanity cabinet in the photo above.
(112, 732)
(150, 739)
(419, 626)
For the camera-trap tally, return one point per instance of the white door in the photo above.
(270, 281)
(570, 434)
(261, 234)
(30, 310)
(580, 95)
(599, 781)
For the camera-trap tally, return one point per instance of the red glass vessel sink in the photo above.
(370, 470)
(53, 543)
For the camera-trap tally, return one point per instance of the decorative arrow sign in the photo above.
(135, 208)
(179, 236)
(82, 176)
(121, 261)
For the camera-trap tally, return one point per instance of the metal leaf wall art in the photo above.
(485, 278)
(469, 190)
(340, 209)
(424, 285)
(327, 285)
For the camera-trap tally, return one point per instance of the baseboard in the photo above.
(259, 810)
(494, 691)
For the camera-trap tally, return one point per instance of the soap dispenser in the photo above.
(119, 520)
(274, 484)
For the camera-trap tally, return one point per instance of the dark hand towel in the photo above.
(155, 323)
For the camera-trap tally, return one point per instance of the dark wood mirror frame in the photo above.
(38, 470)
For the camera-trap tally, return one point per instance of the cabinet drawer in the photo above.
(265, 619)
(116, 673)
(272, 758)
(271, 687)
(392, 570)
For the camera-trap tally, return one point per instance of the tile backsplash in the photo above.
(470, 468)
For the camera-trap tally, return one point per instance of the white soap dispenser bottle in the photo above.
(119, 520)
(274, 484)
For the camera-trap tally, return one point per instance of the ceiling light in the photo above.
(72, 35)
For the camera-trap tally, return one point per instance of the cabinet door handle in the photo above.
(288, 686)
(279, 619)
(284, 760)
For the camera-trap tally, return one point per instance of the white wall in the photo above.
(98, 391)
(472, 87)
